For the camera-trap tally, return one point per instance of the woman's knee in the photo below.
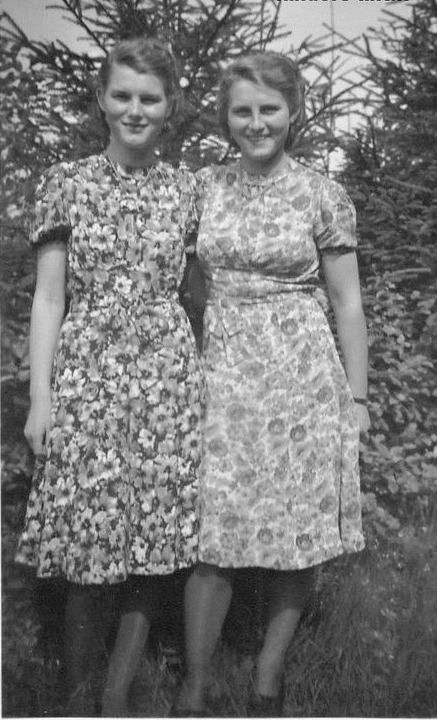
(221, 577)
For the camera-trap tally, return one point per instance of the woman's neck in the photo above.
(267, 168)
(127, 157)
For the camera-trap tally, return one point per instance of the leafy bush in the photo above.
(391, 172)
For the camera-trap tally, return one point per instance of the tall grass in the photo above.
(374, 651)
(366, 648)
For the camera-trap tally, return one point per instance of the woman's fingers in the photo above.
(363, 418)
(37, 436)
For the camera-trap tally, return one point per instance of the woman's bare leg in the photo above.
(208, 594)
(138, 606)
(289, 593)
(82, 647)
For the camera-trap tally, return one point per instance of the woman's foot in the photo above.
(80, 703)
(266, 697)
(191, 698)
(264, 706)
(114, 705)
(181, 712)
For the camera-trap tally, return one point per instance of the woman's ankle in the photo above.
(114, 703)
(80, 702)
(268, 679)
(192, 694)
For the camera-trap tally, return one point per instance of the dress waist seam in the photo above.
(267, 298)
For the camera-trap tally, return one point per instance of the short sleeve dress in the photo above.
(279, 475)
(117, 492)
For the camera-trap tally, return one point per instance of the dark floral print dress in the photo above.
(279, 476)
(117, 492)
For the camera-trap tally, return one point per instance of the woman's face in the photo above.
(136, 108)
(259, 122)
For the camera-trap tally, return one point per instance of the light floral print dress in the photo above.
(279, 476)
(117, 493)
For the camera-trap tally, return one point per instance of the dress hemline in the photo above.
(318, 559)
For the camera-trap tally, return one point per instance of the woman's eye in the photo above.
(270, 109)
(150, 99)
(120, 96)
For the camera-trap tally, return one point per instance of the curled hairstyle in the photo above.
(272, 69)
(145, 55)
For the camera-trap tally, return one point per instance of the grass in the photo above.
(367, 647)
(373, 653)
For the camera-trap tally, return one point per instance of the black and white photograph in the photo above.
(219, 333)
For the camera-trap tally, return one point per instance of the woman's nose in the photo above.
(256, 121)
(134, 107)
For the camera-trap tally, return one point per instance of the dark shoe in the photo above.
(264, 706)
(176, 712)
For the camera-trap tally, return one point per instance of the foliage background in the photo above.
(390, 170)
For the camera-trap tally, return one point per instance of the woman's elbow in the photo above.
(49, 303)
(347, 303)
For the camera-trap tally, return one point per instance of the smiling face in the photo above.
(135, 107)
(259, 121)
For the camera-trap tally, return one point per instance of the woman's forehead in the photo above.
(122, 75)
(243, 91)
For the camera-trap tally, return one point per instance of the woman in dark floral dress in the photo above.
(279, 475)
(115, 384)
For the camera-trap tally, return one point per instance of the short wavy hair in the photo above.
(272, 69)
(145, 55)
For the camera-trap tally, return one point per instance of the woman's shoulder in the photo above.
(305, 173)
(170, 171)
(217, 174)
(170, 174)
(317, 180)
(181, 178)
(70, 168)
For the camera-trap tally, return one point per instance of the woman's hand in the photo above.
(36, 430)
(363, 417)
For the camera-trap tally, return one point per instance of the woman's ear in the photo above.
(293, 117)
(99, 96)
(171, 107)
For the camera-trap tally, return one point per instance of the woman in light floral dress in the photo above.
(279, 476)
(115, 384)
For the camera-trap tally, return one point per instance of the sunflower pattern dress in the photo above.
(117, 492)
(279, 475)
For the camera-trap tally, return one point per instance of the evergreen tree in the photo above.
(48, 114)
(392, 175)
(49, 110)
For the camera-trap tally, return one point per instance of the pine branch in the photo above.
(75, 9)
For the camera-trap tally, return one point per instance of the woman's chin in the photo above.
(261, 160)
(137, 142)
